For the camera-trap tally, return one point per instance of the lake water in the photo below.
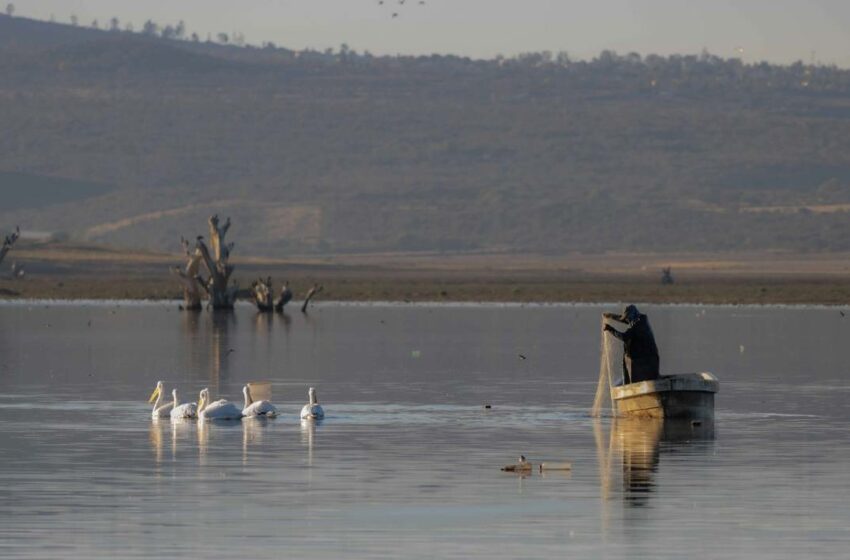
(406, 463)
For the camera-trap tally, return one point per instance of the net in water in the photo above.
(609, 372)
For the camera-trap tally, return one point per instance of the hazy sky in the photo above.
(775, 30)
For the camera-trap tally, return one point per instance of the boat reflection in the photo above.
(637, 445)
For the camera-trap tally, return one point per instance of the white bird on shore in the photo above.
(219, 410)
(257, 408)
(312, 409)
(163, 411)
(183, 411)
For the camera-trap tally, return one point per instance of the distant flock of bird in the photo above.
(400, 3)
(222, 409)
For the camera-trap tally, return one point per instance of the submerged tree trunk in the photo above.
(216, 287)
(313, 291)
(263, 295)
(221, 296)
(190, 277)
(285, 297)
(262, 290)
(8, 242)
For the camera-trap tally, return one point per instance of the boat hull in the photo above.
(689, 395)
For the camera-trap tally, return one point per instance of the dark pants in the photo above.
(635, 371)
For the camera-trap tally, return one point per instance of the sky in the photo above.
(774, 30)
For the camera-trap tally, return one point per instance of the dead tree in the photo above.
(313, 291)
(8, 242)
(190, 277)
(221, 295)
(216, 286)
(263, 294)
(285, 297)
(667, 275)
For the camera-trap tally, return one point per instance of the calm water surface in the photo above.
(406, 463)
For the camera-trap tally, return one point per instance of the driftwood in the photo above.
(216, 286)
(8, 242)
(263, 291)
(313, 291)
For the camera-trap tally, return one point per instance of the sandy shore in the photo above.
(106, 273)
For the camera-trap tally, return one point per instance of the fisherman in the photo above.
(640, 358)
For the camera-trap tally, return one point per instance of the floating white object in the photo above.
(555, 467)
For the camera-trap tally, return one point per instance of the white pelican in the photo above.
(218, 410)
(185, 410)
(257, 408)
(158, 411)
(312, 409)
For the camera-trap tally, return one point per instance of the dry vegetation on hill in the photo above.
(343, 152)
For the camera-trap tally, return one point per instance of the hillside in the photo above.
(313, 152)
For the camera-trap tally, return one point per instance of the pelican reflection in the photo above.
(181, 429)
(308, 436)
(253, 430)
(156, 437)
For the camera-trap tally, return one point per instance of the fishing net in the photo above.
(260, 390)
(609, 374)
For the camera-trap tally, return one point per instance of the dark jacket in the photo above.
(640, 358)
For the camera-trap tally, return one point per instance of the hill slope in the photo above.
(310, 152)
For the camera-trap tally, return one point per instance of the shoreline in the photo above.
(75, 273)
(294, 306)
(761, 291)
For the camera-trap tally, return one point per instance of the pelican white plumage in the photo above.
(183, 411)
(218, 410)
(312, 410)
(160, 410)
(257, 408)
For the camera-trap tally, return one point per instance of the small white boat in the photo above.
(688, 395)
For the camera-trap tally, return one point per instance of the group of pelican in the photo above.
(222, 409)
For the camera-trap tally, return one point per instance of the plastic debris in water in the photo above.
(521, 466)
(555, 467)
